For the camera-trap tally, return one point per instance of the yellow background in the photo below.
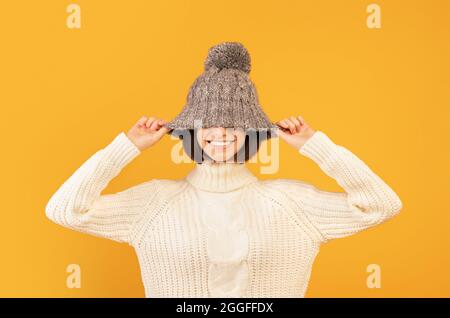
(383, 94)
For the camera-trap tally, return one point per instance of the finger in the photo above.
(162, 123)
(155, 125)
(287, 124)
(300, 118)
(162, 131)
(291, 126)
(283, 124)
(296, 123)
(149, 122)
(142, 121)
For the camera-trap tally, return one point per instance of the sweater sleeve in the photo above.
(79, 205)
(366, 201)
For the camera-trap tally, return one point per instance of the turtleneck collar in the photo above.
(220, 177)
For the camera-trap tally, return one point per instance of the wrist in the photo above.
(308, 134)
(134, 142)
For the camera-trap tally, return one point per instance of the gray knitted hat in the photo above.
(223, 95)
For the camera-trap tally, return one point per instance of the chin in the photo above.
(221, 159)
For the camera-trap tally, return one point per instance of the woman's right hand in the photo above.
(147, 131)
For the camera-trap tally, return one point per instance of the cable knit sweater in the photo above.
(220, 231)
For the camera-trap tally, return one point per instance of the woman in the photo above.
(221, 232)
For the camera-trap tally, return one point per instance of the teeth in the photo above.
(220, 143)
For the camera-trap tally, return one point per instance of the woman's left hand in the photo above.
(295, 131)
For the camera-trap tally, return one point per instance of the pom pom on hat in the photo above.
(228, 55)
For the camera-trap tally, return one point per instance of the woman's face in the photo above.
(220, 143)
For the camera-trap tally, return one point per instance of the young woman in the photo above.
(220, 231)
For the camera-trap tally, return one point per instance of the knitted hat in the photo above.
(223, 95)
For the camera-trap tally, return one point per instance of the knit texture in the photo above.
(220, 231)
(223, 95)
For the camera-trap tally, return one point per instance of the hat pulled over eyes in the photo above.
(223, 95)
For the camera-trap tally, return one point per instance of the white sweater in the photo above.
(220, 231)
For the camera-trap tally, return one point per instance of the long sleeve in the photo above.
(79, 205)
(366, 201)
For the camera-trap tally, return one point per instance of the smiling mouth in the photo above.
(220, 143)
